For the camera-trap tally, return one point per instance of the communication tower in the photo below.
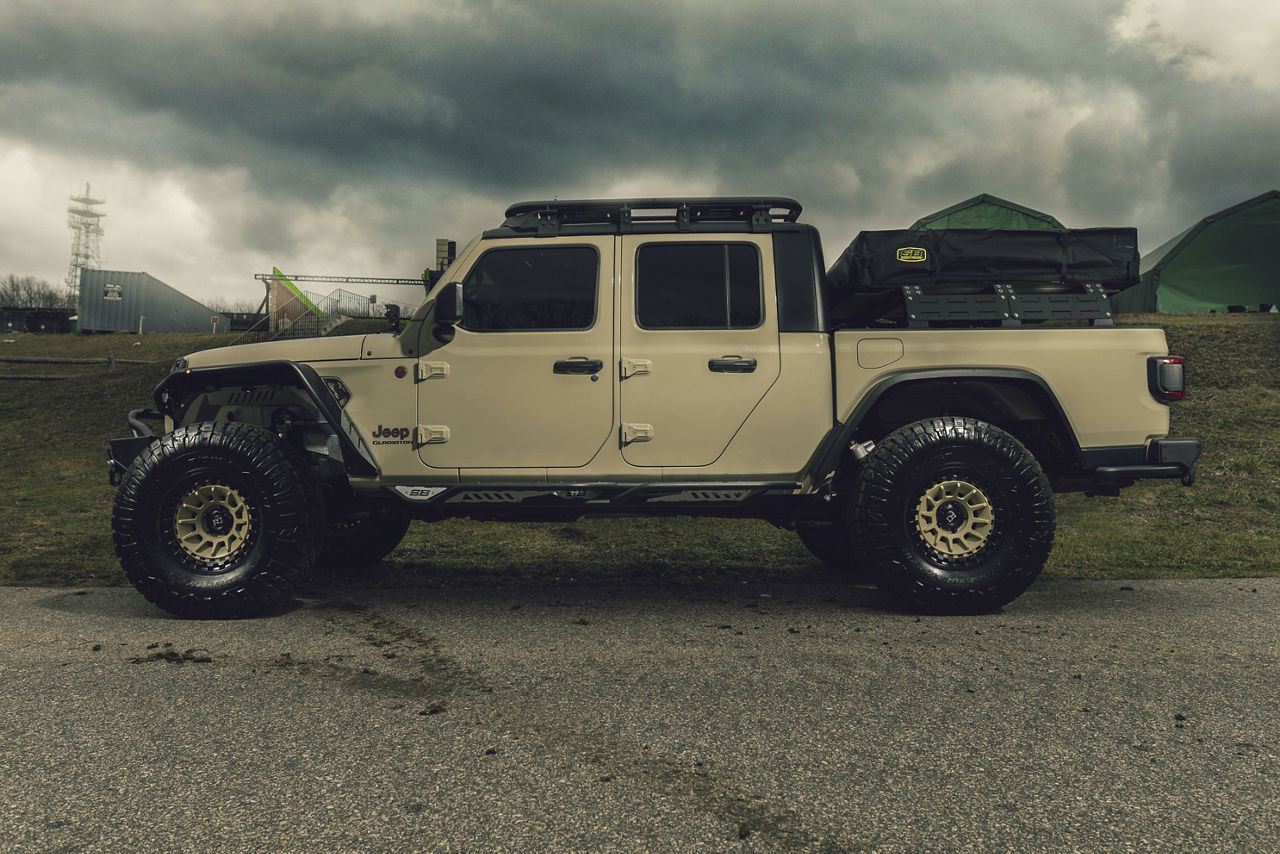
(86, 231)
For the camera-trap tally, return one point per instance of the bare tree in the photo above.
(223, 305)
(30, 292)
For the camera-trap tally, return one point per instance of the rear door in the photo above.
(699, 345)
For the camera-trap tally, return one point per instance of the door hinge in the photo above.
(432, 370)
(636, 433)
(430, 434)
(633, 367)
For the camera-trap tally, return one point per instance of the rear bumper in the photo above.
(1109, 469)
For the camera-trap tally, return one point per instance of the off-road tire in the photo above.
(217, 520)
(358, 538)
(952, 516)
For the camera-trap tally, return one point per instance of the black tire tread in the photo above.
(873, 505)
(291, 492)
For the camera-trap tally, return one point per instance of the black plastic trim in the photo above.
(1116, 456)
(1133, 472)
(1108, 469)
(754, 499)
(732, 365)
(828, 454)
(282, 372)
(799, 277)
(577, 366)
(1183, 452)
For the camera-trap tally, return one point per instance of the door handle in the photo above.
(578, 365)
(732, 365)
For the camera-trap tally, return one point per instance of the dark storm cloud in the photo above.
(858, 109)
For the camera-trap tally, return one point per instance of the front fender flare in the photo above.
(359, 461)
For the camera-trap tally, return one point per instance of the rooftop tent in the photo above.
(1227, 259)
(986, 211)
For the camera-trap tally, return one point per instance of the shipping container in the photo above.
(116, 301)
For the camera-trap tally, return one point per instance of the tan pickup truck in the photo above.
(673, 357)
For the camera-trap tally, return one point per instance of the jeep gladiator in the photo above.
(674, 357)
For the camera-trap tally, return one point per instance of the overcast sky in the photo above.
(341, 137)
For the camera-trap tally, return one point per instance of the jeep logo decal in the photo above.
(912, 254)
(391, 435)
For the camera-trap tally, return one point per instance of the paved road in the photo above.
(1087, 716)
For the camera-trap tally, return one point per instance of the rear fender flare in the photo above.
(837, 443)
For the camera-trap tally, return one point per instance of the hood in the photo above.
(299, 350)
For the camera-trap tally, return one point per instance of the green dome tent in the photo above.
(1227, 259)
(986, 211)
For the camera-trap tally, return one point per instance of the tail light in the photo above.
(1166, 377)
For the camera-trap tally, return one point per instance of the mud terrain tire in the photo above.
(217, 520)
(952, 516)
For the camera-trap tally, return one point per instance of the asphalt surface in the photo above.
(1094, 716)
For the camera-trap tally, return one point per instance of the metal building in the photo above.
(115, 301)
(35, 319)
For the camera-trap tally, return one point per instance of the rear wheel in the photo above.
(217, 520)
(952, 515)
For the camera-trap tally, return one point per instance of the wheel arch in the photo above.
(181, 386)
(1018, 401)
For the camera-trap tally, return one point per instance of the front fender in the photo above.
(184, 382)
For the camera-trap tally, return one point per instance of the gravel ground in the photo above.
(1110, 716)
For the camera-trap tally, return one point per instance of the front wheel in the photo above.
(952, 516)
(217, 520)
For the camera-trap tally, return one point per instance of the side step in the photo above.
(587, 498)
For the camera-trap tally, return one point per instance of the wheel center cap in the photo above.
(951, 515)
(217, 521)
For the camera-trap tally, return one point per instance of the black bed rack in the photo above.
(622, 216)
(1006, 305)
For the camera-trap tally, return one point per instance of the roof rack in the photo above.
(548, 218)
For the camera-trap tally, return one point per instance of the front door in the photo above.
(527, 380)
(699, 345)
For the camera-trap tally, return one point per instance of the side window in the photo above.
(698, 286)
(534, 289)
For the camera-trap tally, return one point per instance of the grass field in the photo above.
(55, 515)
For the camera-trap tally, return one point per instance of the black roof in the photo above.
(622, 216)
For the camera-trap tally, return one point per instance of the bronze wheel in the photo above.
(954, 519)
(212, 522)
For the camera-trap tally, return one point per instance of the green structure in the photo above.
(1227, 261)
(985, 211)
